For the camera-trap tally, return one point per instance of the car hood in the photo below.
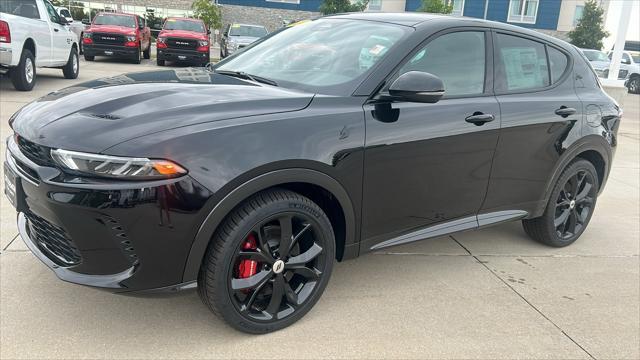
(96, 115)
(113, 29)
(183, 34)
(243, 39)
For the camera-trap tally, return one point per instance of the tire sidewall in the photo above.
(220, 292)
(571, 170)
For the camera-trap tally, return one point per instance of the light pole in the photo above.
(621, 34)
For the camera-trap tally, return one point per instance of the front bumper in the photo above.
(191, 56)
(110, 50)
(123, 236)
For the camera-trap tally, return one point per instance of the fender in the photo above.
(259, 183)
(590, 142)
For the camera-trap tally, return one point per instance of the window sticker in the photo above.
(523, 68)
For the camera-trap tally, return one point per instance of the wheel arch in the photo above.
(313, 184)
(593, 148)
(30, 44)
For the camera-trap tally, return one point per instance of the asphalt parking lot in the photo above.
(486, 294)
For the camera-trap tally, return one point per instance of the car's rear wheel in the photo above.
(269, 262)
(23, 76)
(137, 58)
(72, 68)
(634, 85)
(570, 206)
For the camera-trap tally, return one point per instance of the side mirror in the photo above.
(62, 20)
(141, 26)
(417, 86)
(208, 31)
(86, 22)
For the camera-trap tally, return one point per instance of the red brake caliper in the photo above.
(248, 268)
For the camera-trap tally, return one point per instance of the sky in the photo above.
(613, 18)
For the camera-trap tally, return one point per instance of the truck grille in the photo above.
(53, 240)
(110, 39)
(34, 152)
(176, 43)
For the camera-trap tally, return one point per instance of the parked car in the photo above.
(183, 39)
(238, 36)
(599, 61)
(76, 26)
(630, 70)
(117, 35)
(33, 35)
(249, 178)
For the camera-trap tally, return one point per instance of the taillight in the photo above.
(5, 33)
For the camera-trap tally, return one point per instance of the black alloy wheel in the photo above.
(269, 262)
(570, 206)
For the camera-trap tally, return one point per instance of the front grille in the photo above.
(110, 39)
(37, 153)
(187, 44)
(53, 240)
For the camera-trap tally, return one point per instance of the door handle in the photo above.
(565, 111)
(55, 29)
(479, 118)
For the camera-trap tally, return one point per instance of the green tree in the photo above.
(77, 10)
(208, 12)
(342, 6)
(153, 21)
(589, 32)
(437, 6)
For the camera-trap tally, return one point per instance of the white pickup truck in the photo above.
(33, 34)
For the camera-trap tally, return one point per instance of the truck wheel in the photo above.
(81, 51)
(634, 85)
(136, 57)
(89, 57)
(159, 62)
(72, 68)
(147, 53)
(23, 76)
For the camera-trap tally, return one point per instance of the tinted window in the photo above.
(456, 58)
(558, 63)
(245, 30)
(522, 64)
(24, 8)
(65, 13)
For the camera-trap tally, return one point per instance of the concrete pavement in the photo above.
(486, 294)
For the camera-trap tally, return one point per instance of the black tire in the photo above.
(159, 62)
(265, 211)
(80, 46)
(634, 85)
(147, 53)
(23, 76)
(89, 57)
(137, 58)
(72, 68)
(570, 206)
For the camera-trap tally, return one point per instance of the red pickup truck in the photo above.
(183, 39)
(117, 35)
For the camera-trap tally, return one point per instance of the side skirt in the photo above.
(454, 226)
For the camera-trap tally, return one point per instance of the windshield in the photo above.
(319, 55)
(247, 30)
(186, 25)
(595, 55)
(113, 19)
(65, 13)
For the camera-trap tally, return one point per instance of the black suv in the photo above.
(326, 141)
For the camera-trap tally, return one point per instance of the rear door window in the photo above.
(558, 62)
(521, 64)
(24, 8)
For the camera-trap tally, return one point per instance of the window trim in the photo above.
(544, 43)
(522, 20)
(488, 90)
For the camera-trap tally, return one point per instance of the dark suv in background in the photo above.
(117, 35)
(326, 141)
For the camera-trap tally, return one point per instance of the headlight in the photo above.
(161, 40)
(86, 35)
(131, 38)
(117, 167)
(203, 43)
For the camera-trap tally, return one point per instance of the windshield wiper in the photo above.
(244, 75)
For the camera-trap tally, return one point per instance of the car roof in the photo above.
(416, 19)
(239, 24)
(184, 18)
(114, 13)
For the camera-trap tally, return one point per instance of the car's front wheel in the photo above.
(269, 262)
(72, 68)
(634, 85)
(570, 206)
(23, 76)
